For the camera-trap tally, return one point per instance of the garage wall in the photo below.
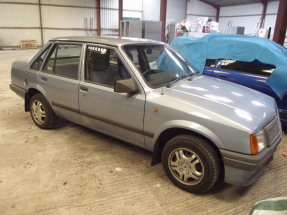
(196, 9)
(20, 19)
(14, 24)
(176, 10)
(151, 10)
(248, 16)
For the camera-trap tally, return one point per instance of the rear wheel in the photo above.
(41, 112)
(190, 163)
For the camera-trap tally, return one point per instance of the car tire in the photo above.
(191, 163)
(41, 112)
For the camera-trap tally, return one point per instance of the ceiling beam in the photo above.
(263, 1)
(99, 17)
(162, 18)
(213, 5)
(281, 23)
(120, 15)
(264, 4)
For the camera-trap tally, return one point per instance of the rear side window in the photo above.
(255, 67)
(64, 60)
(38, 62)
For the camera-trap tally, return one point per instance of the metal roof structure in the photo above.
(226, 3)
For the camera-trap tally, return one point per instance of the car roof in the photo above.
(115, 41)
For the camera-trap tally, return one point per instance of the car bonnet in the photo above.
(248, 107)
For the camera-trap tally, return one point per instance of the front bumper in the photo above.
(243, 170)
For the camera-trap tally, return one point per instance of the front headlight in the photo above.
(258, 141)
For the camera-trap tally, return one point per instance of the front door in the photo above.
(117, 114)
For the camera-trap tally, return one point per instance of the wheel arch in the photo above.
(170, 133)
(29, 94)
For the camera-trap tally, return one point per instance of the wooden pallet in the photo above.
(28, 44)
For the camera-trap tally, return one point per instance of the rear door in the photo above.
(117, 114)
(58, 80)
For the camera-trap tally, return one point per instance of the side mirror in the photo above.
(126, 86)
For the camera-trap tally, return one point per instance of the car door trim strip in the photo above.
(111, 122)
(66, 107)
(108, 121)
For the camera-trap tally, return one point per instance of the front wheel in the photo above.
(190, 163)
(41, 112)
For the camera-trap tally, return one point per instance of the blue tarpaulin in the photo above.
(237, 47)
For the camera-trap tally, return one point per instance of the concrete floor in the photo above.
(74, 170)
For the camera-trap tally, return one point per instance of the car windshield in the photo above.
(159, 64)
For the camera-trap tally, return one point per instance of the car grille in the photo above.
(273, 130)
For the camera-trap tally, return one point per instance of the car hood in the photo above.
(233, 102)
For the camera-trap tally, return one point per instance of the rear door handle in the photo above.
(84, 89)
(44, 79)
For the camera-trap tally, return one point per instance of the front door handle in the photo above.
(44, 79)
(84, 89)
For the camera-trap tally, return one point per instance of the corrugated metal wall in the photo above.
(196, 9)
(151, 10)
(176, 10)
(242, 15)
(109, 17)
(20, 20)
(271, 15)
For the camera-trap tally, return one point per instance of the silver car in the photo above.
(145, 93)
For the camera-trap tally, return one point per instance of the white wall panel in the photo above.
(176, 10)
(66, 17)
(249, 22)
(248, 16)
(110, 4)
(82, 3)
(13, 15)
(12, 37)
(241, 10)
(133, 14)
(22, 1)
(151, 10)
(193, 17)
(133, 4)
(109, 18)
(272, 7)
(50, 34)
(197, 8)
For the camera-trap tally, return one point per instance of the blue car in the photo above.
(249, 74)
(254, 62)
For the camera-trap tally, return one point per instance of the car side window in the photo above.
(103, 66)
(64, 60)
(255, 67)
(210, 63)
(38, 62)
